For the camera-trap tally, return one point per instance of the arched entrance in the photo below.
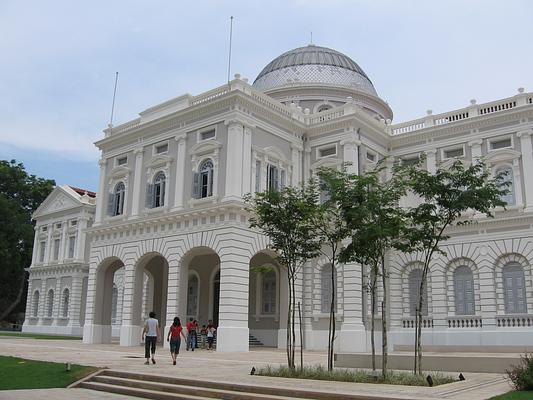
(267, 310)
(103, 300)
(200, 286)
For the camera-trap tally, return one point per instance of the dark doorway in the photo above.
(216, 297)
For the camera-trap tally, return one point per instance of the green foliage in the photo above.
(521, 375)
(39, 336)
(20, 195)
(319, 372)
(513, 396)
(18, 373)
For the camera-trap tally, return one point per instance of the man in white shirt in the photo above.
(151, 334)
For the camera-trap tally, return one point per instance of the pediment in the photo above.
(500, 155)
(449, 162)
(119, 171)
(326, 162)
(273, 153)
(59, 200)
(159, 161)
(206, 146)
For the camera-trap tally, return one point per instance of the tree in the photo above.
(333, 231)
(448, 198)
(20, 195)
(370, 208)
(288, 219)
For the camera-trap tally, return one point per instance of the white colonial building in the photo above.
(169, 231)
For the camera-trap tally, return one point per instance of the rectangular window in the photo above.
(273, 177)
(371, 157)
(210, 134)
(122, 161)
(327, 151)
(500, 144)
(161, 148)
(44, 228)
(56, 249)
(453, 153)
(73, 223)
(42, 248)
(58, 226)
(71, 246)
(410, 161)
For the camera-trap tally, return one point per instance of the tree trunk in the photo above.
(289, 303)
(293, 322)
(301, 339)
(5, 313)
(419, 327)
(373, 316)
(384, 343)
(331, 333)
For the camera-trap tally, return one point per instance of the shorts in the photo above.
(175, 345)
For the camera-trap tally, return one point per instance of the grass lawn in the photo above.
(38, 336)
(360, 376)
(514, 396)
(18, 373)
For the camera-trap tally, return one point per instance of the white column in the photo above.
(101, 197)
(306, 173)
(475, 146)
(233, 309)
(79, 247)
(130, 330)
(351, 155)
(29, 304)
(173, 292)
(352, 336)
(64, 242)
(74, 307)
(431, 160)
(247, 161)
(234, 160)
(48, 249)
(56, 309)
(527, 165)
(137, 179)
(296, 167)
(36, 247)
(179, 188)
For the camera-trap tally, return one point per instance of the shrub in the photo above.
(320, 372)
(521, 375)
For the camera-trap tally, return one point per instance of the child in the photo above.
(174, 338)
(203, 334)
(210, 336)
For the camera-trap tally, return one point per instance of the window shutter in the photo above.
(110, 204)
(282, 179)
(276, 178)
(162, 199)
(196, 185)
(149, 196)
(258, 176)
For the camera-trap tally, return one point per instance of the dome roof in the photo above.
(313, 64)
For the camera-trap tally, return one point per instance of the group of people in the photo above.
(152, 333)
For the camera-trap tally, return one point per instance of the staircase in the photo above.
(253, 341)
(170, 388)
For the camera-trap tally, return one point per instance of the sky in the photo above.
(59, 58)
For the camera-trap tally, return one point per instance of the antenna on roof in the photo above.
(113, 105)
(230, 39)
(311, 42)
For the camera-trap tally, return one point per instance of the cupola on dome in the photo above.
(313, 65)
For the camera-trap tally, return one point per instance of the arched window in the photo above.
(327, 289)
(415, 278)
(508, 177)
(268, 293)
(114, 304)
(203, 180)
(65, 303)
(192, 296)
(50, 303)
(36, 303)
(155, 193)
(514, 286)
(116, 200)
(464, 291)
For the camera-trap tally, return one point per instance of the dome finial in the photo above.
(311, 42)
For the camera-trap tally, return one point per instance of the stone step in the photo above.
(198, 391)
(224, 390)
(137, 392)
(253, 341)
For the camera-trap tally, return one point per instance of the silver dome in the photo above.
(313, 65)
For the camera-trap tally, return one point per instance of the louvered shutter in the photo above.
(282, 179)
(196, 185)
(149, 196)
(162, 199)
(111, 204)
(275, 171)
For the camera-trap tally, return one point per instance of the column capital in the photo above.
(296, 146)
(524, 133)
(431, 151)
(351, 141)
(138, 151)
(181, 137)
(475, 142)
(102, 162)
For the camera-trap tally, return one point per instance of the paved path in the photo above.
(227, 367)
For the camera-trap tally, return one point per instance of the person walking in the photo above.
(151, 334)
(173, 337)
(211, 336)
(191, 334)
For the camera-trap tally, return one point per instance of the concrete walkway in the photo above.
(226, 367)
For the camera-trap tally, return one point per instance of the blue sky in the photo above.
(59, 60)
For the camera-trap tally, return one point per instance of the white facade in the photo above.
(171, 232)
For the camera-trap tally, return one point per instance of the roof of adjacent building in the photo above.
(83, 191)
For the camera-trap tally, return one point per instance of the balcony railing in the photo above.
(427, 322)
(511, 321)
(466, 321)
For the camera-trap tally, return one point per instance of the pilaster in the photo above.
(179, 182)
(475, 146)
(101, 198)
(246, 161)
(527, 165)
(75, 301)
(431, 160)
(351, 154)
(352, 336)
(234, 160)
(137, 180)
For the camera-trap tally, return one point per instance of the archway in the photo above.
(103, 299)
(200, 286)
(267, 304)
